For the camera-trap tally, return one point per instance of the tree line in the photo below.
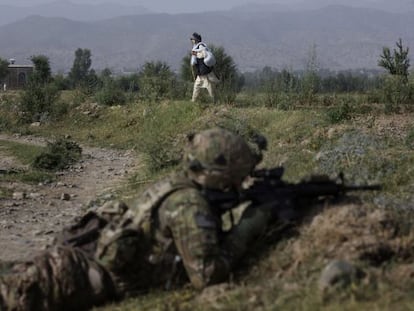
(155, 81)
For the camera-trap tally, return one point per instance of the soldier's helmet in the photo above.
(218, 159)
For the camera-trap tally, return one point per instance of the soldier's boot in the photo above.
(60, 279)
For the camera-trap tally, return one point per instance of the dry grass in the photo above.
(281, 272)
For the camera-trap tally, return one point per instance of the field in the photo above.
(370, 231)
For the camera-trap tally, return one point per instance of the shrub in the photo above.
(58, 155)
(111, 94)
(397, 92)
(156, 81)
(39, 101)
(339, 113)
(409, 140)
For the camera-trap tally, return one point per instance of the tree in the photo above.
(231, 80)
(4, 69)
(39, 99)
(396, 63)
(42, 72)
(129, 83)
(81, 74)
(397, 89)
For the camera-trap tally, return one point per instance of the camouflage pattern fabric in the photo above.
(253, 223)
(62, 278)
(128, 261)
(218, 159)
(187, 219)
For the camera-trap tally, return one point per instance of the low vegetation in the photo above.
(26, 155)
(58, 155)
(367, 134)
(282, 271)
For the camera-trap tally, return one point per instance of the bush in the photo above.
(409, 140)
(39, 101)
(156, 81)
(339, 113)
(129, 83)
(397, 92)
(58, 155)
(111, 94)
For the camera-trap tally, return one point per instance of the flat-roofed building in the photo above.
(18, 75)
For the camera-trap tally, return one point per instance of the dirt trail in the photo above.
(30, 219)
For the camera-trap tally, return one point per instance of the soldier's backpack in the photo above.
(85, 231)
(83, 234)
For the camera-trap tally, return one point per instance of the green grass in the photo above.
(25, 154)
(305, 141)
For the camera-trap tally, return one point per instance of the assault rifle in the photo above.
(269, 188)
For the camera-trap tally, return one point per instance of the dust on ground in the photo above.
(29, 220)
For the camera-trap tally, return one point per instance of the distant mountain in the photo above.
(343, 38)
(395, 6)
(69, 10)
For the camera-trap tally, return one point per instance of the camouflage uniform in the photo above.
(171, 228)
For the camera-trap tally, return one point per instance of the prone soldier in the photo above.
(171, 234)
(171, 225)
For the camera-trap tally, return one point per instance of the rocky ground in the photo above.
(30, 219)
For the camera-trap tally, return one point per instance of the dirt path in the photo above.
(30, 219)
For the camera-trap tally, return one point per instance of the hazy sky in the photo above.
(187, 6)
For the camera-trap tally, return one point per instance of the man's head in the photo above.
(218, 159)
(195, 37)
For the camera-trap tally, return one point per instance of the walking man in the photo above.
(202, 62)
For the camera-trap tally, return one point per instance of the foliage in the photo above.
(339, 113)
(4, 69)
(25, 154)
(347, 81)
(81, 75)
(158, 138)
(81, 65)
(409, 140)
(156, 81)
(396, 92)
(397, 89)
(310, 82)
(396, 63)
(61, 82)
(231, 81)
(129, 83)
(110, 94)
(39, 101)
(58, 155)
(42, 71)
